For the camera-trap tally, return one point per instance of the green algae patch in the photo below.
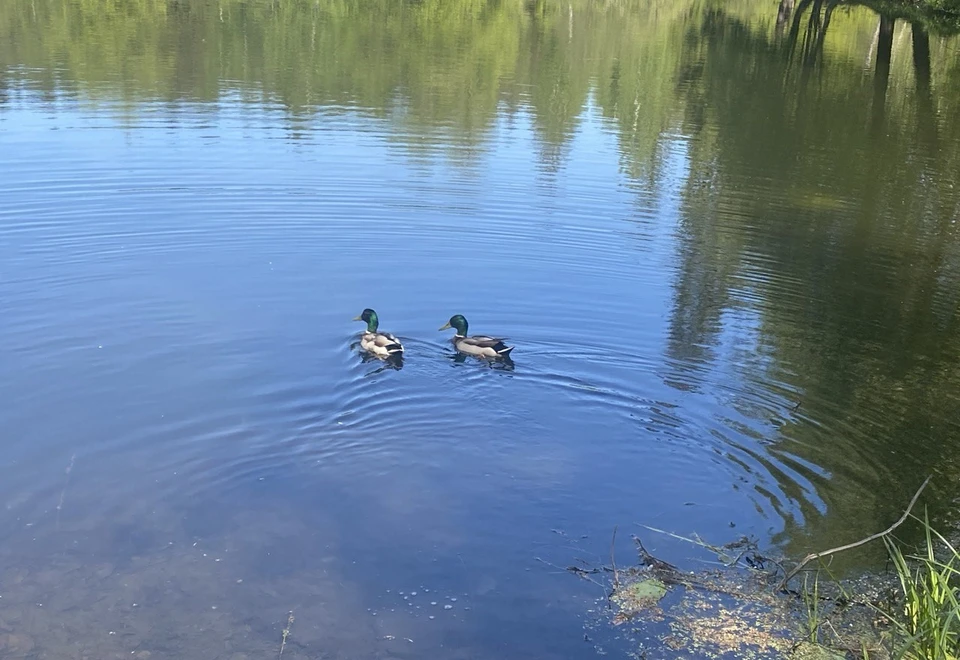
(637, 596)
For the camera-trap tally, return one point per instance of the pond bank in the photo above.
(752, 605)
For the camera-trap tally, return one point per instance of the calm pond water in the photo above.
(726, 247)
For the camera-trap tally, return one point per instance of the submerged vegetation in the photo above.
(752, 608)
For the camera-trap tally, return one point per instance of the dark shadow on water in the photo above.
(840, 232)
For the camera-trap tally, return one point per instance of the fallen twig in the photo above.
(744, 544)
(873, 537)
(613, 561)
(587, 571)
(736, 560)
(697, 541)
(666, 572)
(286, 634)
(582, 572)
(66, 484)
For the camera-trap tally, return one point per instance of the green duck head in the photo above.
(459, 323)
(370, 318)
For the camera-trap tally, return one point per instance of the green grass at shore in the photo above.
(929, 619)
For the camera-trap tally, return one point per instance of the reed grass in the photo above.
(929, 616)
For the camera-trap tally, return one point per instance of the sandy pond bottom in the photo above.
(139, 592)
(183, 600)
(154, 588)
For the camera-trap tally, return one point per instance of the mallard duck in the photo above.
(479, 345)
(380, 344)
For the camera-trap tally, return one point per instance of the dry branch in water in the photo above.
(613, 561)
(286, 634)
(850, 546)
(66, 484)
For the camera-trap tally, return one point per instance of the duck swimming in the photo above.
(379, 344)
(479, 345)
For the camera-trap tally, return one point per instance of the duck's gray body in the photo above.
(482, 346)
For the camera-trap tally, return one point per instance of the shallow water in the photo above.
(729, 261)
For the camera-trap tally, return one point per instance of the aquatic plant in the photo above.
(811, 602)
(929, 616)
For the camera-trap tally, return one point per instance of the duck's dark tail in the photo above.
(505, 351)
(395, 359)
